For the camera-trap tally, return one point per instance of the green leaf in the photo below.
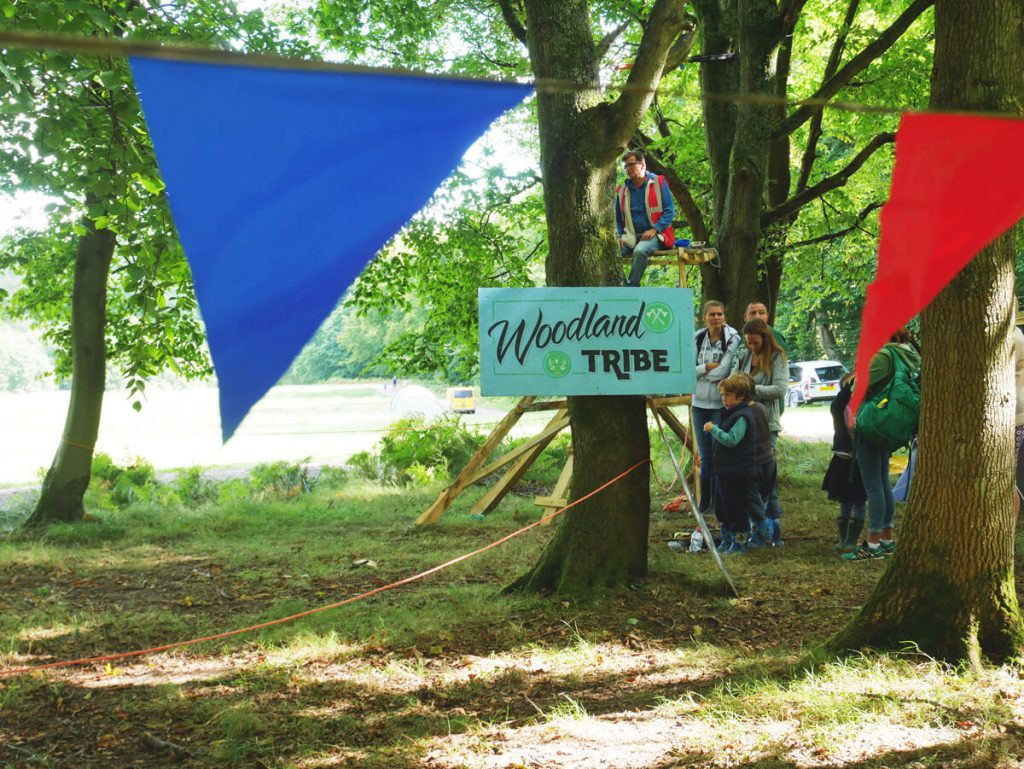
(110, 78)
(150, 185)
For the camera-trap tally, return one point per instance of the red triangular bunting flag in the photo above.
(956, 186)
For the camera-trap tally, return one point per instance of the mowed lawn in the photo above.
(449, 672)
(181, 427)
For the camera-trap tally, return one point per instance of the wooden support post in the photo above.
(559, 497)
(433, 513)
(523, 456)
(674, 424)
(554, 427)
(498, 491)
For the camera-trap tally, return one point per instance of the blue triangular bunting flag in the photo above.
(283, 184)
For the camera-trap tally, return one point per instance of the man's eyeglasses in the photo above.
(627, 165)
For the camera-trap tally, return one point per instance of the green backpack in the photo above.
(888, 420)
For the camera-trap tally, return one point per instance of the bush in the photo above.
(366, 464)
(282, 480)
(332, 477)
(413, 451)
(192, 488)
(126, 484)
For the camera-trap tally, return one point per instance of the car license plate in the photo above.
(828, 387)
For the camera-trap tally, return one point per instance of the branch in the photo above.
(840, 233)
(857, 64)
(827, 184)
(155, 743)
(667, 20)
(509, 14)
(814, 133)
(606, 42)
(680, 50)
(791, 15)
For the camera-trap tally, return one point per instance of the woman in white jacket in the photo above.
(716, 345)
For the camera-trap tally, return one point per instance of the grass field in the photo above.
(181, 427)
(449, 672)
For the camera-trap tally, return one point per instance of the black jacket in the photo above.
(841, 438)
(741, 459)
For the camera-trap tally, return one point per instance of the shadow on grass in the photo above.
(255, 717)
(987, 753)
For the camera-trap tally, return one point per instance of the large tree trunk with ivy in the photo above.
(602, 541)
(950, 588)
(68, 477)
(738, 136)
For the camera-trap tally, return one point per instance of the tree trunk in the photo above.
(68, 476)
(602, 541)
(950, 588)
(739, 139)
(828, 339)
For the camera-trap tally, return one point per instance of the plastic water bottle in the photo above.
(696, 541)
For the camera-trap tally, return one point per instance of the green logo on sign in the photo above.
(657, 317)
(557, 364)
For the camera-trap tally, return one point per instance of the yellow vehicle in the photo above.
(462, 400)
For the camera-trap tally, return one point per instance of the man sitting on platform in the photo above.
(643, 214)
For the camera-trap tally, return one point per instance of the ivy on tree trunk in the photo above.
(602, 541)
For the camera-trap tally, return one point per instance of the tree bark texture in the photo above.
(602, 541)
(749, 143)
(739, 135)
(827, 338)
(950, 588)
(68, 477)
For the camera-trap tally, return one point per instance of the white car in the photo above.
(813, 380)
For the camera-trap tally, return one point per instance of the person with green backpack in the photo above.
(886, 420)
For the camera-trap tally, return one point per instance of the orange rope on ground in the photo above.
(392, 586)
(657, 481)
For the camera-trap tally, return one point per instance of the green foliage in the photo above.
(282, 480)
(73, 130)
(452, 36)
(484, 228)
(415, 452)
(366, 464)
(349, 345)
(193, 488)
(121, 485)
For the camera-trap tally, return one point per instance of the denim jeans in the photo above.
(642, 250)
(705, 451)
(772, 507)
(874, 471)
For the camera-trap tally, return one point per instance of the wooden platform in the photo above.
(679, 257)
